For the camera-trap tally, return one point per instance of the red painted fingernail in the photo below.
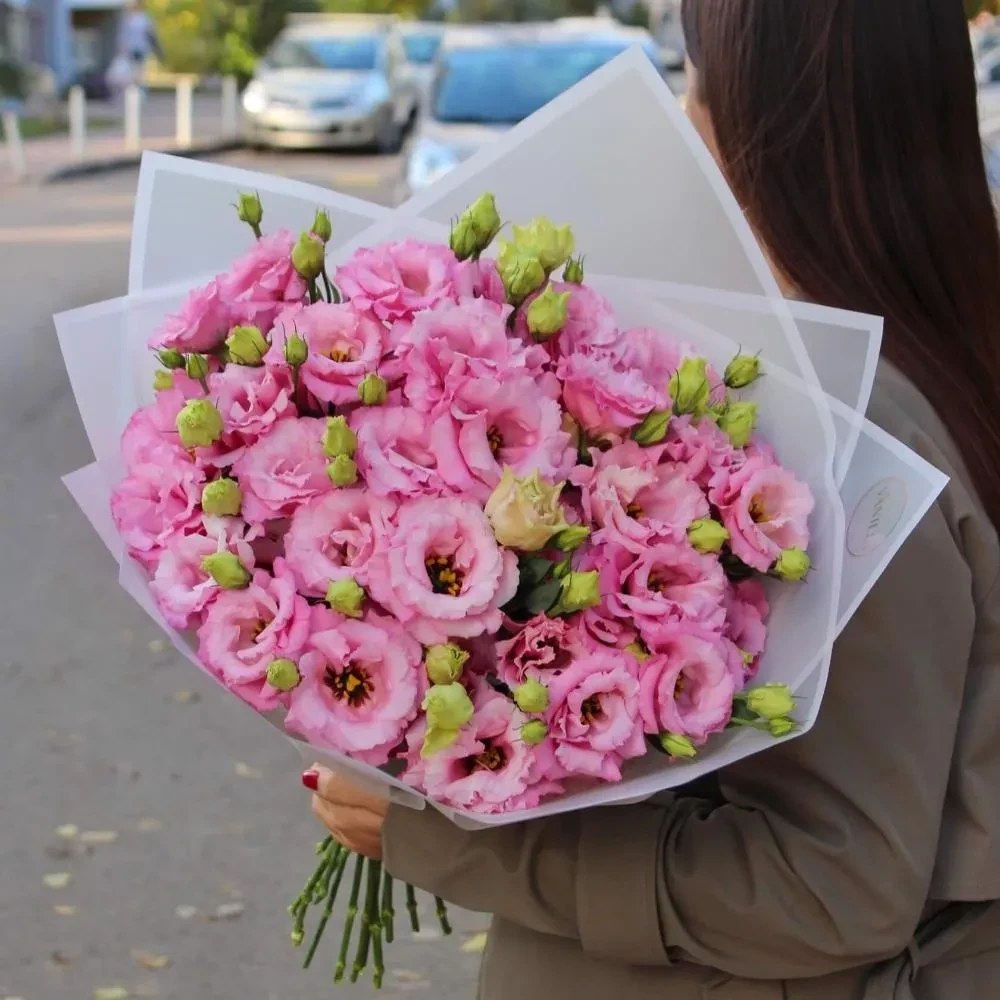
(311, 780)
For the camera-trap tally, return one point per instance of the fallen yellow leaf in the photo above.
(148, 825)
(185, 697)
(475, 944)
(246, 771)
(150, 960)
(111, 993)
(57, 880)
(65, 911)
(157, 646)
(67, 832)
(98, 836)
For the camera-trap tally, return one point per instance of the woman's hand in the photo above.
(354, 817)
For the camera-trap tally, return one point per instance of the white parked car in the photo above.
(421, 42)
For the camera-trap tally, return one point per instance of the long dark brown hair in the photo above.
(849, 133)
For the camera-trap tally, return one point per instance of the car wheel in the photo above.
(389, 139)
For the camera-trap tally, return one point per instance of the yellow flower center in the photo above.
(445, 576)
(679, 687)
(758, 514)
(352, 684)
(258, 627)
(341, 354)
(491, 759)
(591, 709)
(495, 440)
(634, 510)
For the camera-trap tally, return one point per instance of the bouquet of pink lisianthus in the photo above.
(448, 518)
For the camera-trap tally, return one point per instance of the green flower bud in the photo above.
(532, 697)
(196, 366)
(226, 570)
(573, 274)
(689, 387)
(373, 390)
(638, 650)
(550, 243)
(342, 471)
(436, 740)
(162, 380)
(322, 227)
(199, 424)
(476, 228)
(562, 567)
(743, 370)
(338, 438)
(748, 658)
(780, 727)
(246, 346)
(678, 746)
(309, 256)
(534, 732)
(346, 596)
(770, 701)
(571, 538)
(222, 497)
(283, 675)
(296, 350)
(738, 420)
(170, 358)
(444, 663)
(249, 209)
(653, 429)
(447, 706)
(792, 565)
(521, 272)
(547, 313)
(707, 536)
(579, 591)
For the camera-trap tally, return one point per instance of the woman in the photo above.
(862, 860)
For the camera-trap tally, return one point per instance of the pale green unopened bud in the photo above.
(283, 675)
(521, 272)
(678, 746)
(246, 346)
(342, 471)
(476, 228)
(579, 591)
(436, 740)
(162, 381)
(738, 421)
(707, 536)
(373, 390)
(770, 701)
(447, 706)
(534, 732)
(571, 538)
(638, 650)
(170, 358)
(249, 209)
(550, 243)
(653, 429)
(322, 227)
(196, 366)
(309, 256)
(346, 596)
(444, 663)
(742, 371)
(793, 564)
(338, 438)
(199, 424)
(562, 567)
(689, 387)
(573, 274)
(226, 570)
(547, 313)
(780, 727)
(222, 497)
(296, 350)
(532, 696)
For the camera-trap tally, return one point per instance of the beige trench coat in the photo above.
(845, 865)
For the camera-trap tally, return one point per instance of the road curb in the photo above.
(129, 160)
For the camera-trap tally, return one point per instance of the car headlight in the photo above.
(254, 98)
(428, 162)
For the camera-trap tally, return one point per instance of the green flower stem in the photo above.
(388, 913)
(338, 869)
(256, 230)
(313, 292)
(442, 915)
(378, 967)
(331, 295)
(301, 904)
(352, 911)
(749, 724)
(369, 920)
(411, 905)
(322, 888)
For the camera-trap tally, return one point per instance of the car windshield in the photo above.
(504, 85)
(421, 49)
(348, 52)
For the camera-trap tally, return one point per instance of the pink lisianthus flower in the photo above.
(181, 588)
(151, 433)
(747, 609)
(657, 357)
(478, 279)
(395, 452)
(199, 325)
(590, 322)
(441, 571)
(344, 346)
(605, 398)
(157, 502)
(244, 630)
(635, 498)
(541, 649)
(706, 452)
(489, 768)
(397, 280)
(687, 686)
(600, 626)
(766, 510)
(593, 715)
(283, 469)
(263, 282)
(362, 683)
(332, 537)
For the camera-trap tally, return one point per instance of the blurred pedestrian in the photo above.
(137, 41)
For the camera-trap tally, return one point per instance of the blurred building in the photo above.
(79, 38)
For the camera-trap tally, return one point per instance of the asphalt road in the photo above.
(184, 802)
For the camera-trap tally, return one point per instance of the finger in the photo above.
(342, 791)
(355, 829)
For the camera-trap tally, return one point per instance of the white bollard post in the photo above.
(15, 148)
(77, 121)
(230, 106)
(133, 106)
(185, 99)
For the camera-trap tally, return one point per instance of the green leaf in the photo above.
(543, 597)
(534, 570)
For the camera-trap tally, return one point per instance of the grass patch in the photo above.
(36, 128)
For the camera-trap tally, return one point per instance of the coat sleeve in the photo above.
(820, 858)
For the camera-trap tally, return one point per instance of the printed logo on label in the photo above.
(876, 517)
